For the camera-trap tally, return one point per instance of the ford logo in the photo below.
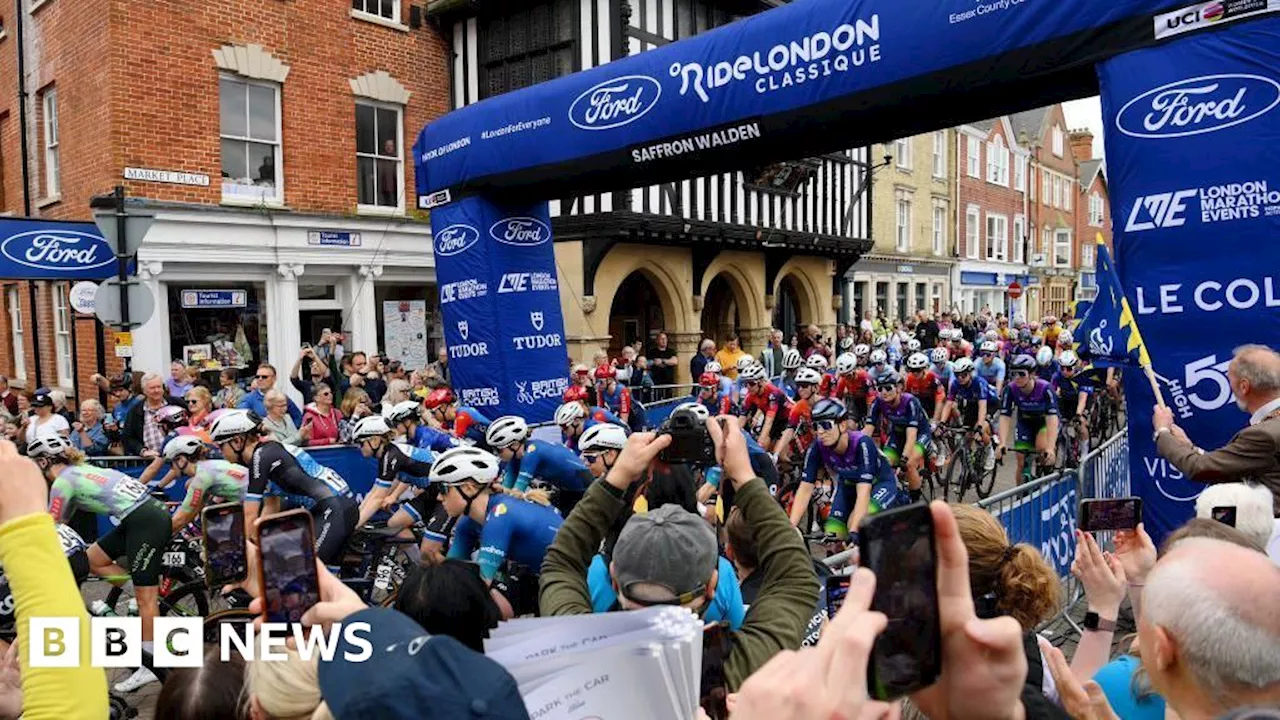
(455, 239)
(614, 103)
(1198, 105)
(66, 250)
(525, 231)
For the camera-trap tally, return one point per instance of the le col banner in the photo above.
(1193, 150)
(500, 299)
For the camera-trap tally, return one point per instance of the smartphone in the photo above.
(837, 588)
(225, 560)
(1110, 514)
(898, 546)
(287, 563)
(1225, 514)
(306, 346)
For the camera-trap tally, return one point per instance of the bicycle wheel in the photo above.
(984, 480)
(956, 474)
(189, 599)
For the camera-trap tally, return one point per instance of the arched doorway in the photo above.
(720, 316)
(636, 314)
(786, 308)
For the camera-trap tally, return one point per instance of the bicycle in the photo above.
(377, 562)
(968, 465)
(1070, 448)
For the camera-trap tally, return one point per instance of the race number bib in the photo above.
(70, 540)
(130, 490)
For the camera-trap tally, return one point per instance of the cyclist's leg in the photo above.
(332, 529)
(1024, 442)
(147, 531)
(1043, 444)
(914, 460)
(841, 507)
(102, 556)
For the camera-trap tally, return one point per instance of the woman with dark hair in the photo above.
(213, 691)
(450, 599)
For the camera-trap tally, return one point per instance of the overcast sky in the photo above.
(1086, 113)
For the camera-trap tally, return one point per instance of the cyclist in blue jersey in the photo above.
(879, 366)
(909, 430)
(942, 367)
(1037, 407)
(971, 398)
(865, 482)
(509, 535)
(463, 423)
(617, 398)
(530, 461)
(281, 470)
(708, 395)
(406, 419)
(575, 417)
(728, 388)
(1046, 365)
(990, 367)
(1073, 393)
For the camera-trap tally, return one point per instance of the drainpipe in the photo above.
(955, 209)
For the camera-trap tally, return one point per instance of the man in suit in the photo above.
(1254, 452)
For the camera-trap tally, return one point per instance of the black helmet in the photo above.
(828, 409)
(1024, 362)
(890, 378)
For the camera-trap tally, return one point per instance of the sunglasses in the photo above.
(264, 377)
(964, 374)
(590, 458)
(1021, 373)
(193, 402)
(825, 425)
(886, 388)
(809, 386)
(988, 353)
(753, 383)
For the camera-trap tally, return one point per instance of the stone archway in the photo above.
(721, 310)
(636, 314)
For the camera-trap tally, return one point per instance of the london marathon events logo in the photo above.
(520, 231)
(67, 250)
(1198, 105)
(614, 103)
(456, 239)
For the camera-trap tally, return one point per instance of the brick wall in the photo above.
(989, 197)
(1086, 232)
(1044, 213)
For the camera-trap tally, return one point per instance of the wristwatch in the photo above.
(1160, 431)
(1094, 621)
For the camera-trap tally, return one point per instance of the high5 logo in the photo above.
(1163, 210)
(1204, 387)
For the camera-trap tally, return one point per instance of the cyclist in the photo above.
(970, 397)
(1073, 393)
(617, 398)
(401, 464)
(925, 386)
(1051, 331)
(1065, 341)
(799, 428)
(817, 362)
(1037, 408)
(502, 530)
(1022, 346)
(465, 423)
(728, 388)
(708, 395)
(281, 470)
(791, 363)
(533, 460)
(1046, 366)
(220, 479)
(574, 417)
(853, 387)
(959, 347)
(990, 367)
(143, 532)
(942, 365)
(600, 446)
(405, 418)
(879, 366)
(861, 351)
(864, 479)
(743, 363)
(909, 430)
(772, 403)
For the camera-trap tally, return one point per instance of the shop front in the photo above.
(988, 289)
(897, 286)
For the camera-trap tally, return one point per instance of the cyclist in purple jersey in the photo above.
(909, 429)
(865, 482)
(1037, 407)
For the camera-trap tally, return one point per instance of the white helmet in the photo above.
(992, 335)
(861, 349)
(506, 430)
(1065, 339)
(233, 424)
(698, 409)
(808, 375)
(816, 361)
(1068, 359)
(988, 346)
(879, 341)
(846, 344)
(569, 413)
(913, 345)
(605, 436)
(712, 367)
(48, 445)
(791, 359)
(955, 334)
(1044, 356)
(752, 372)
(402, 411)
(182, 445)
(939, 355)
(963, 365)
(917, 361)
(846, 363)
(877, 357)
(745, 362)
(458, 465)
(370, 427)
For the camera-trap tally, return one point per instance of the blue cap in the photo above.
(412, 675)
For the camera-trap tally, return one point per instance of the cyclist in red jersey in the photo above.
(767, 398)
(799, 423)
(958, 347)
(853, 389)
(926, 386)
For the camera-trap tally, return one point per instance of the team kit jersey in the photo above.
(800, 421)
(620, 403)
(716, 406)
(548, 462)
(773, 403)
(513, 528)
(901, 415)
(95, 490)
(220, 479)
(289, 472)
(993, 372)
(412, 466)
(927, 388)
(1033, 406)
(431, 439)
(1069, 390)
(968, 396)
(470, 424)
(861, 462)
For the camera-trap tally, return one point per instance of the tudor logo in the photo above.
(614, 103)
(1198, 105)
(535, 317)
(455, 239)
(65, 250)
(464, 329)
(523, 231)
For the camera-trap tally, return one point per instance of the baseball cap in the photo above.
(411, 670)
(120, 382)
(665, 557)
(41, 398)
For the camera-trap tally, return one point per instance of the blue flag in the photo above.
(1108, 334)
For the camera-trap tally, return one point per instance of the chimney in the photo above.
(1081, 145)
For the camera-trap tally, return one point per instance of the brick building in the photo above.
(1093, 214)
(269, 140)
(1052, 181)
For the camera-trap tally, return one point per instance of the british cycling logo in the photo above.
(481, 397)
(1096, 344)
(455, 239)
(529, 392)
(520, 231)
(614, 103)
(1198, 105)
(1218, 203)
(67, 250)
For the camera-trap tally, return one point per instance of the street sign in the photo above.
(82, 296)
(135, 227)
(124, 344)
(142, 305)
(1015, 290)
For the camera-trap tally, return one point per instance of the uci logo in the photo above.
(525, 231)
(66, 250)
(614, 103)
(456, 239)
(1198, 105)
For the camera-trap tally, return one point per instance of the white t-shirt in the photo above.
(54, 424)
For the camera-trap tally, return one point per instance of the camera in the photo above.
(690, 442)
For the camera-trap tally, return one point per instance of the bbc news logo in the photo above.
(116, 642)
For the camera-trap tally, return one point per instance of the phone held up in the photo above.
(287, 563)
(225, 559)
(837, 589)
(1110, 514)
(898, 546)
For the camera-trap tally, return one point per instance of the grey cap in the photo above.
(665, 557)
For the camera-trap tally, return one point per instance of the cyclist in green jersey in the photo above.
(219, 479)
(141, 536)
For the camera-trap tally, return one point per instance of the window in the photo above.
(1062, 248)
(1068, 189)
(902, 149)
(1047, 243)
(902, 225)
(1086, 255)
(62, 335)
(1031, 182)
(1019, 239)
(385, 9)
(1058, 140)
(973, 161)
(1020, 173)
(52, 163)
(971, 221)
(998, 162)
(526, 46)
(250, 130)
(13, 302)
(937, 297)
(1095, 210)
(940, 154)
(1057, 191)
(1046, 195)
(939, 227)
(379, 156)
(997, 236)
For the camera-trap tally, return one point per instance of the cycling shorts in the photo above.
(898, 440)
(426, 510)
(335, 519)
(884, 496)
(519, 586)
(1025, 432)
(141, 538)
(1067, 406)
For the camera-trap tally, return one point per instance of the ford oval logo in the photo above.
(1198, 105)
(614, 103)
(67, 250)
(455, 239)
(524, 231)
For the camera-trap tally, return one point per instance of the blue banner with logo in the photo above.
(500, 301)
(50, 250)
(1193, 158)
(1046, 520)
